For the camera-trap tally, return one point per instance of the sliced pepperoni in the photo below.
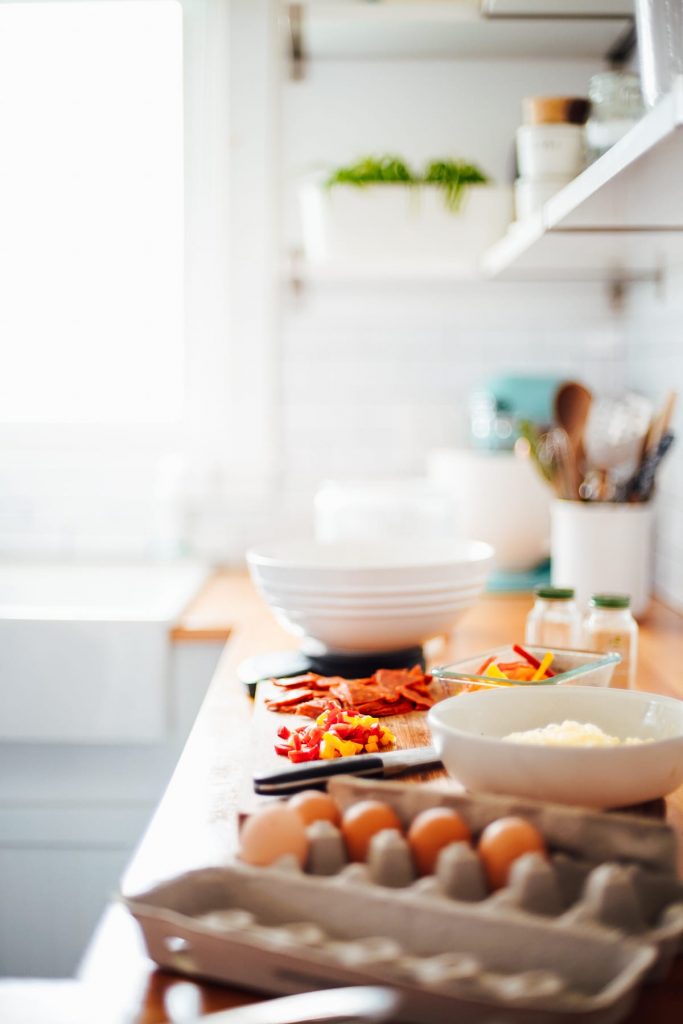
(309, 680)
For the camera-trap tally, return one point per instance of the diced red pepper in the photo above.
(304, 742)
(307, 754)
(341, 729)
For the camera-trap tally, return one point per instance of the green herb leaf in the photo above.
(453, 176)
(450, 175)
(371, 170)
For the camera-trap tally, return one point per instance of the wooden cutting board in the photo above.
(410, 730)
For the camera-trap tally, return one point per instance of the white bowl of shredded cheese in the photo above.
(569, 744)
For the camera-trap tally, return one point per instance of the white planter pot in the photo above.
(400, 225)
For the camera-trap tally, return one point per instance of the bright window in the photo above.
(91, 212)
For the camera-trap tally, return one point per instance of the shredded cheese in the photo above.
(571, 734)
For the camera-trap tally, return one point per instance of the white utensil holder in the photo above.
(600, 547)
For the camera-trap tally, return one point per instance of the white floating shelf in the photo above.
(348, 29)
(622, 218)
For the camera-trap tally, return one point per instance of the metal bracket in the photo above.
(295, 32)
(616, 294)
(619, 286)
(622, 50)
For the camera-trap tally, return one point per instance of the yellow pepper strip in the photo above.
(371, 746)
(543, 667)
(494, 672)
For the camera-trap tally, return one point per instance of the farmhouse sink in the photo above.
(85, 651)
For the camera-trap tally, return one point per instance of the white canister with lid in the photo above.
(550, 150)
(601, 547)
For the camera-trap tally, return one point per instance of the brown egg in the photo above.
(312, 805)
(271, 833)
(430, 831)
(362, 821)
(502, 842)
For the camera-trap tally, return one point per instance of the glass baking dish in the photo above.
(584, 668)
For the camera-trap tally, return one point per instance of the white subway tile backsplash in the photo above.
(654, 360)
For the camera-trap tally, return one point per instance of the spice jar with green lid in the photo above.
(554, 620)
(610, 627)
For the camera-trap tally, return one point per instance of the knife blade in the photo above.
(311, 773)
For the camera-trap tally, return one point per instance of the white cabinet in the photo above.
(97, 703)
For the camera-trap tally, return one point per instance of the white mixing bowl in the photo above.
(356, 597)
(311, 600)
(375, 565)
(355, 632)
(468, 732)
(499, 498)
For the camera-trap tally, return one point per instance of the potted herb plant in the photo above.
(379, 213)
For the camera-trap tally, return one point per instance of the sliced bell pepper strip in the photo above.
(518, 649)
(542, 668)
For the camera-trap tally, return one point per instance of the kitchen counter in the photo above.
(196, 822)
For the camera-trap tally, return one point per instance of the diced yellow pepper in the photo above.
(332, 745)
(494, 672)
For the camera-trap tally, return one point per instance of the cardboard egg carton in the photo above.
(614, 873)
(572, 936)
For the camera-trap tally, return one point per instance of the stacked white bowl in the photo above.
(354, 597)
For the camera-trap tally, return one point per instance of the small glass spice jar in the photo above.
(554, 620)
(616, 105)
(610, 627)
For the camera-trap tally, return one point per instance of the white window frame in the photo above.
(231, 57)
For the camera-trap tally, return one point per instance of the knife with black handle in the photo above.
(315, 773)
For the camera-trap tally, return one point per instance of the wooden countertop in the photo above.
(208, 616)
(196, 822)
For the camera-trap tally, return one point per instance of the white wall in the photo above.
(346, 379)
(418, 109)
(654, 361)
(374, 375)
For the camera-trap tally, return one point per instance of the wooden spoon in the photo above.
(572, 406)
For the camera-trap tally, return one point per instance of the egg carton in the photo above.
(610, 872)
(281, 931)
(571, 937)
